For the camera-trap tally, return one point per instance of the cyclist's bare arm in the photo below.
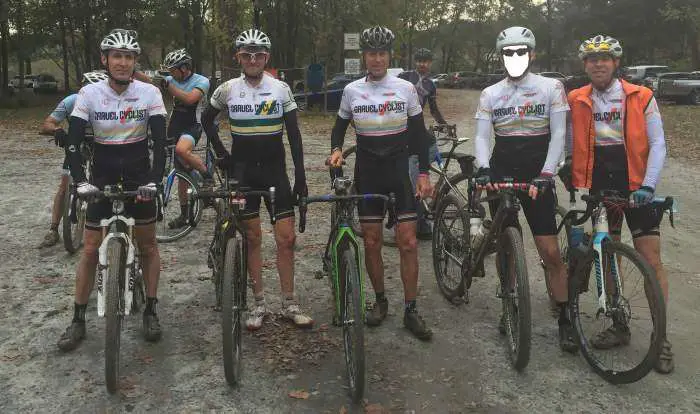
(49, 126)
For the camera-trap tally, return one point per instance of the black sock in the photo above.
(79, 313)
(183, 210)
(410, 306)
(563, 312)
(151, 306)
(380, 296)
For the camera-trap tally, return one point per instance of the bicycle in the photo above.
(164, 232)
(465, 249)
(120, 283)
(442, 166)
(342, 262)
(599, 253)
(227, 257)
(74, 209)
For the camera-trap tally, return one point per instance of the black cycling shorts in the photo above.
(522, 159)
(375, 175)
(176, 129)
(131, 173)
(260, 176)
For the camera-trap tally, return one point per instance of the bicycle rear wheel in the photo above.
(451, 246)
(515, 296)
(352, 316)
(168, 230)
(231, 308)
(73, 232)
(637, 314)
(116, 267)
(563, 240)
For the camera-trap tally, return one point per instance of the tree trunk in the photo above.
(4, 36)
(694, 47)
(64, 48)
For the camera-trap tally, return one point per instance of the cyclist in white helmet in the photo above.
(52, 126)
(388, 119)
(188, 89)
(259, 108)
(616, 142)
(528, 115)
(120, 111)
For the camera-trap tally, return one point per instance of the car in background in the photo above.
(395, 71)
(45, 83)
(682, 87)
(439, 79)
(333, 93)
(555, 75)
(462, 79)
(638, 74)
(577, 80)
(28, 82)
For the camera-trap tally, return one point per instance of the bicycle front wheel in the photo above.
(231, 308)
(450, 246)
(622, 342)
(174, 225)
(352, 316)
(515, 296)
(116, 267)
(73, 232)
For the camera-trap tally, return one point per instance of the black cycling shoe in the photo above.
(378, 313)
(414, 323)
(72, 337)
(151, 327)
(567, 337)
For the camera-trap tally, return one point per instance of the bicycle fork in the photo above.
(601, 234)
(103, 265)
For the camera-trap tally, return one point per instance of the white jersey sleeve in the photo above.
(345, 110)
(156, 106)
(82, 106)
(557, 98)
(485, 109)
(413, 106)
(288, 102)
(220, 96)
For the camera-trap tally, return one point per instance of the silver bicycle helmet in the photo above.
(253, 37)
(377, 38)
(423, 54)
(515, 36)
(598, 45)
(120, 39)
(94, 77)
(176, 58)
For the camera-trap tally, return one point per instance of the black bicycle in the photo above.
(462, 239)
(342, 262)
(227, 257)
(74, 209)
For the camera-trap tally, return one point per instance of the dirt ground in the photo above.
(464, 368)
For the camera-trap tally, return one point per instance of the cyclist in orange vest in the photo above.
(615, 141)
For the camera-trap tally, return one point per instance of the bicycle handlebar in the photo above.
(240, 193)
(659, 203)
(331, 198)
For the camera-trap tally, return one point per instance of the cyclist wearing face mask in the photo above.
(528, 115)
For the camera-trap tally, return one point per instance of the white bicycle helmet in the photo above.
(600, 44)
(377, 38)
(515, 36)
(176, 58)
(94, 77)
(253, 37)
(120, 39)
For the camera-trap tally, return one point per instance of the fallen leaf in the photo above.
(299, 394)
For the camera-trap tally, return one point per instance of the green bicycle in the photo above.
(343, 263)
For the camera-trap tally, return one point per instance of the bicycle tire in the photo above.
(510, 245)
(352, 308)
(563, 240)
(231, 313)
(116, 266)
(163, 233)
(656, 306)
(72, 232)
(216, 255)
(460, 245)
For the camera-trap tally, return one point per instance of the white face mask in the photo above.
(516, 65)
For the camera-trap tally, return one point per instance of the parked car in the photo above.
(440, 79)
(28, 81)
(576, 81)
(463, 79)
(45, 83)
(637, 74)
(682, 87)
(555, 75)
(334, 92)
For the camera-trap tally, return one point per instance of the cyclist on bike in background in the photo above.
(259, 107)
(388, 118)
(616, 142)
(120, 111)
(52, 126)
(427, 92)
(528, 115)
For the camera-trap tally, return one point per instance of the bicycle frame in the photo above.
(342, 233)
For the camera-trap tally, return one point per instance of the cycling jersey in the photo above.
(424, 85)
(119, 119)
(256, 116)
(380, 112)
(64, 108)
(187, 114)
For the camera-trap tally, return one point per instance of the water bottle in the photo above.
(197, 177)
(575, 236)
(478, 230)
